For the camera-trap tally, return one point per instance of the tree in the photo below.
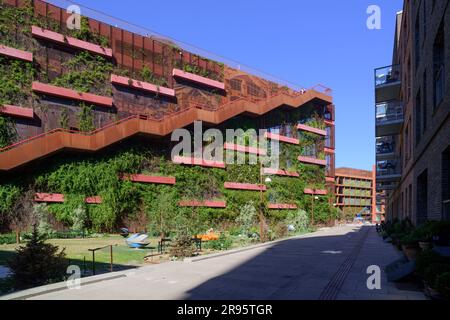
(37, 263)
(22, 215)
(162, 213)
(247, 217)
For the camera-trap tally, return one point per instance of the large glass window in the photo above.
(439, 66)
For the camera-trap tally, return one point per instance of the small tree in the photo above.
(22, 215)
(299, 220)
(37, 263)
(79, 218)
(162, 213)
(247, 217)
(183, 246)
(42, 219)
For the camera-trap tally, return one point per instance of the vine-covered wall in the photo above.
(150, 60)
(79, 177)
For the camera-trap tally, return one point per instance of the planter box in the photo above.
(94, 200)
(205, 204)
(198, 162)
(140, 85)
(304, 127)
(16, 54)
(244, 149)
(280, 172)
(282, 206)
(59, 198)
(312, 161)
(149, 179)
(49, 197)
(273, 136)
(70, 42)
(329, 150)
(71, 94)
(18, 112)
(244, 186)
(316, 192)
(198, 79)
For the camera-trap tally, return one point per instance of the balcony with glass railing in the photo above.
(385, 148)
(389, 118)
(388, 83)
(388, 170)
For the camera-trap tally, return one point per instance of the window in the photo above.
(417, 40)
(439, 66)
(418, 116)
(422, 198)
(410, 201)
(236, 84)
(425, 101)
(255, 91)
(424, 4)
(446, 184)
(406, 146)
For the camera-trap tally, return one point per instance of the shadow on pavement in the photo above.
(292, 269)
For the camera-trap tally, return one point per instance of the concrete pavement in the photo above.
(328, 264)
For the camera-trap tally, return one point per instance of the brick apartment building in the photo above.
(356, 194)
(413, 115)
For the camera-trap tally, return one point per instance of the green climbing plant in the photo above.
(86, 118)
(86, 73)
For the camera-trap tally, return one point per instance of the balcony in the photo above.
(387, 83)
(386, 148)
(389, 118)
(386, 186)
(388, 170)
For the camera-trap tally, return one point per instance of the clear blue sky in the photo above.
(302, 41)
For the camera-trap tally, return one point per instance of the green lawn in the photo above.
(77, 251)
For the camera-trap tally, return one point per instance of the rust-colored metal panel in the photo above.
(10, 2)
(117, 45)
(138, 52)
(54, 13)
(128, 50)
(39, 8)
(105, 31)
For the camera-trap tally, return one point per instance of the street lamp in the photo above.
(312, 207)
(262, 236)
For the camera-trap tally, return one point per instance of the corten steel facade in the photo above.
(127, 107)
(413, 115)
(356, 194)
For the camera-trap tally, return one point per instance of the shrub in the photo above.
(426, 258)
(222, 244)
(433, 271)
(38, 263)
(409, 239)
(299, 220)
(7, 238)
(182, 247)
(247, 217)
(443, 285)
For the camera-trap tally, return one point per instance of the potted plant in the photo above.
(410, 246)
(425, 238)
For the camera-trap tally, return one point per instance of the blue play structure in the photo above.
(137, 241)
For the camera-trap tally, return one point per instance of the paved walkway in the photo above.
(329, 264)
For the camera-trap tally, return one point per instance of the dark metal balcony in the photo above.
(386, 186)
(389, 118)
(388, 170)
(386, 148)
(387, 83)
